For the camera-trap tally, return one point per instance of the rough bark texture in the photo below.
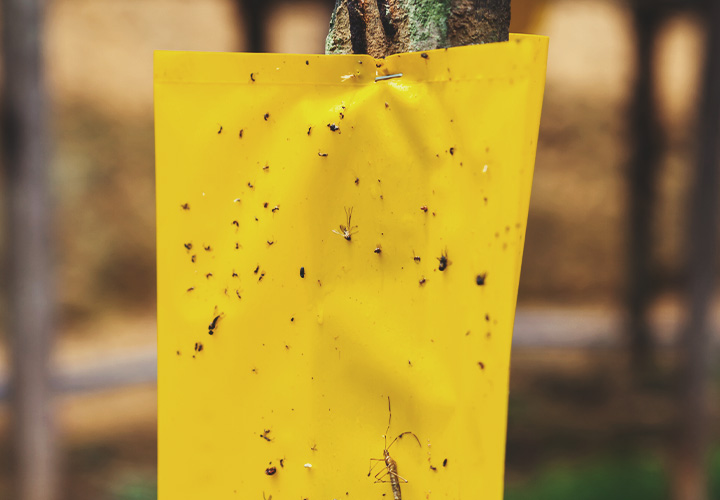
(29, 292)
(384, 27)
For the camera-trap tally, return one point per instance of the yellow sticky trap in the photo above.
(285, 324)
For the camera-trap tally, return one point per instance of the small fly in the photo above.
(347, 231)
(444, 262)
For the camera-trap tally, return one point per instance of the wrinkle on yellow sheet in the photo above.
(327, 241)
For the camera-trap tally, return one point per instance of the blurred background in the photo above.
(613, 384)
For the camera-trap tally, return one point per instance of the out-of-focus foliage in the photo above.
(639, 478)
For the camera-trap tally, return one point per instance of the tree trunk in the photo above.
(29, 291)
(384, 27)
(690, 481)
(642, 177)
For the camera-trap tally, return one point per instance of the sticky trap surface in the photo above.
(284, 324)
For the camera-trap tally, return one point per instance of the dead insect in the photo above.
(282, 460)
(237, 246)
(422, 281)
(185, 206)
(266, 168)
(322, 154)
(213, 325)
(250, 185)
(309, 130)
(444, 262)
(391, 469)
(198, 346)
(302, 272)
(265, 433)
(416, 258)
(266, 116)
(452, 151)
(240, 133)
(481, 365)
(480, 281)
(378, 249)
(207, 248)
(270, 242)
(257, 269)
(220, 131)
(208, 275)
(347, 231)
(333, 127)
(234, 274)
(270, 471)
(424, 208)
(252, 76)
(191, 289)
(424, 55)
(265, 205)
(275, 208)
(357, 181)
(262, 275)
(433, 468)
(236, 223)
(188, 246)
(192, 258)
(445, 463)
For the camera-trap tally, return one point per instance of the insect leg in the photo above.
(404, 433)
(391, 473)
(376, 460)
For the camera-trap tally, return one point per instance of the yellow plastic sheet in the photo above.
(283, 326)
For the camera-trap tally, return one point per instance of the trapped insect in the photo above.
(347, 231)
(214, 324)
(390, 464)
(444, 262)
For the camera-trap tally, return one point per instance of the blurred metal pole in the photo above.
(642, 178)
(690, 481)
(30, 289)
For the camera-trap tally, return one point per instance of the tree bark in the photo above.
(28, 229)
(384, 27)
(690, 481)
